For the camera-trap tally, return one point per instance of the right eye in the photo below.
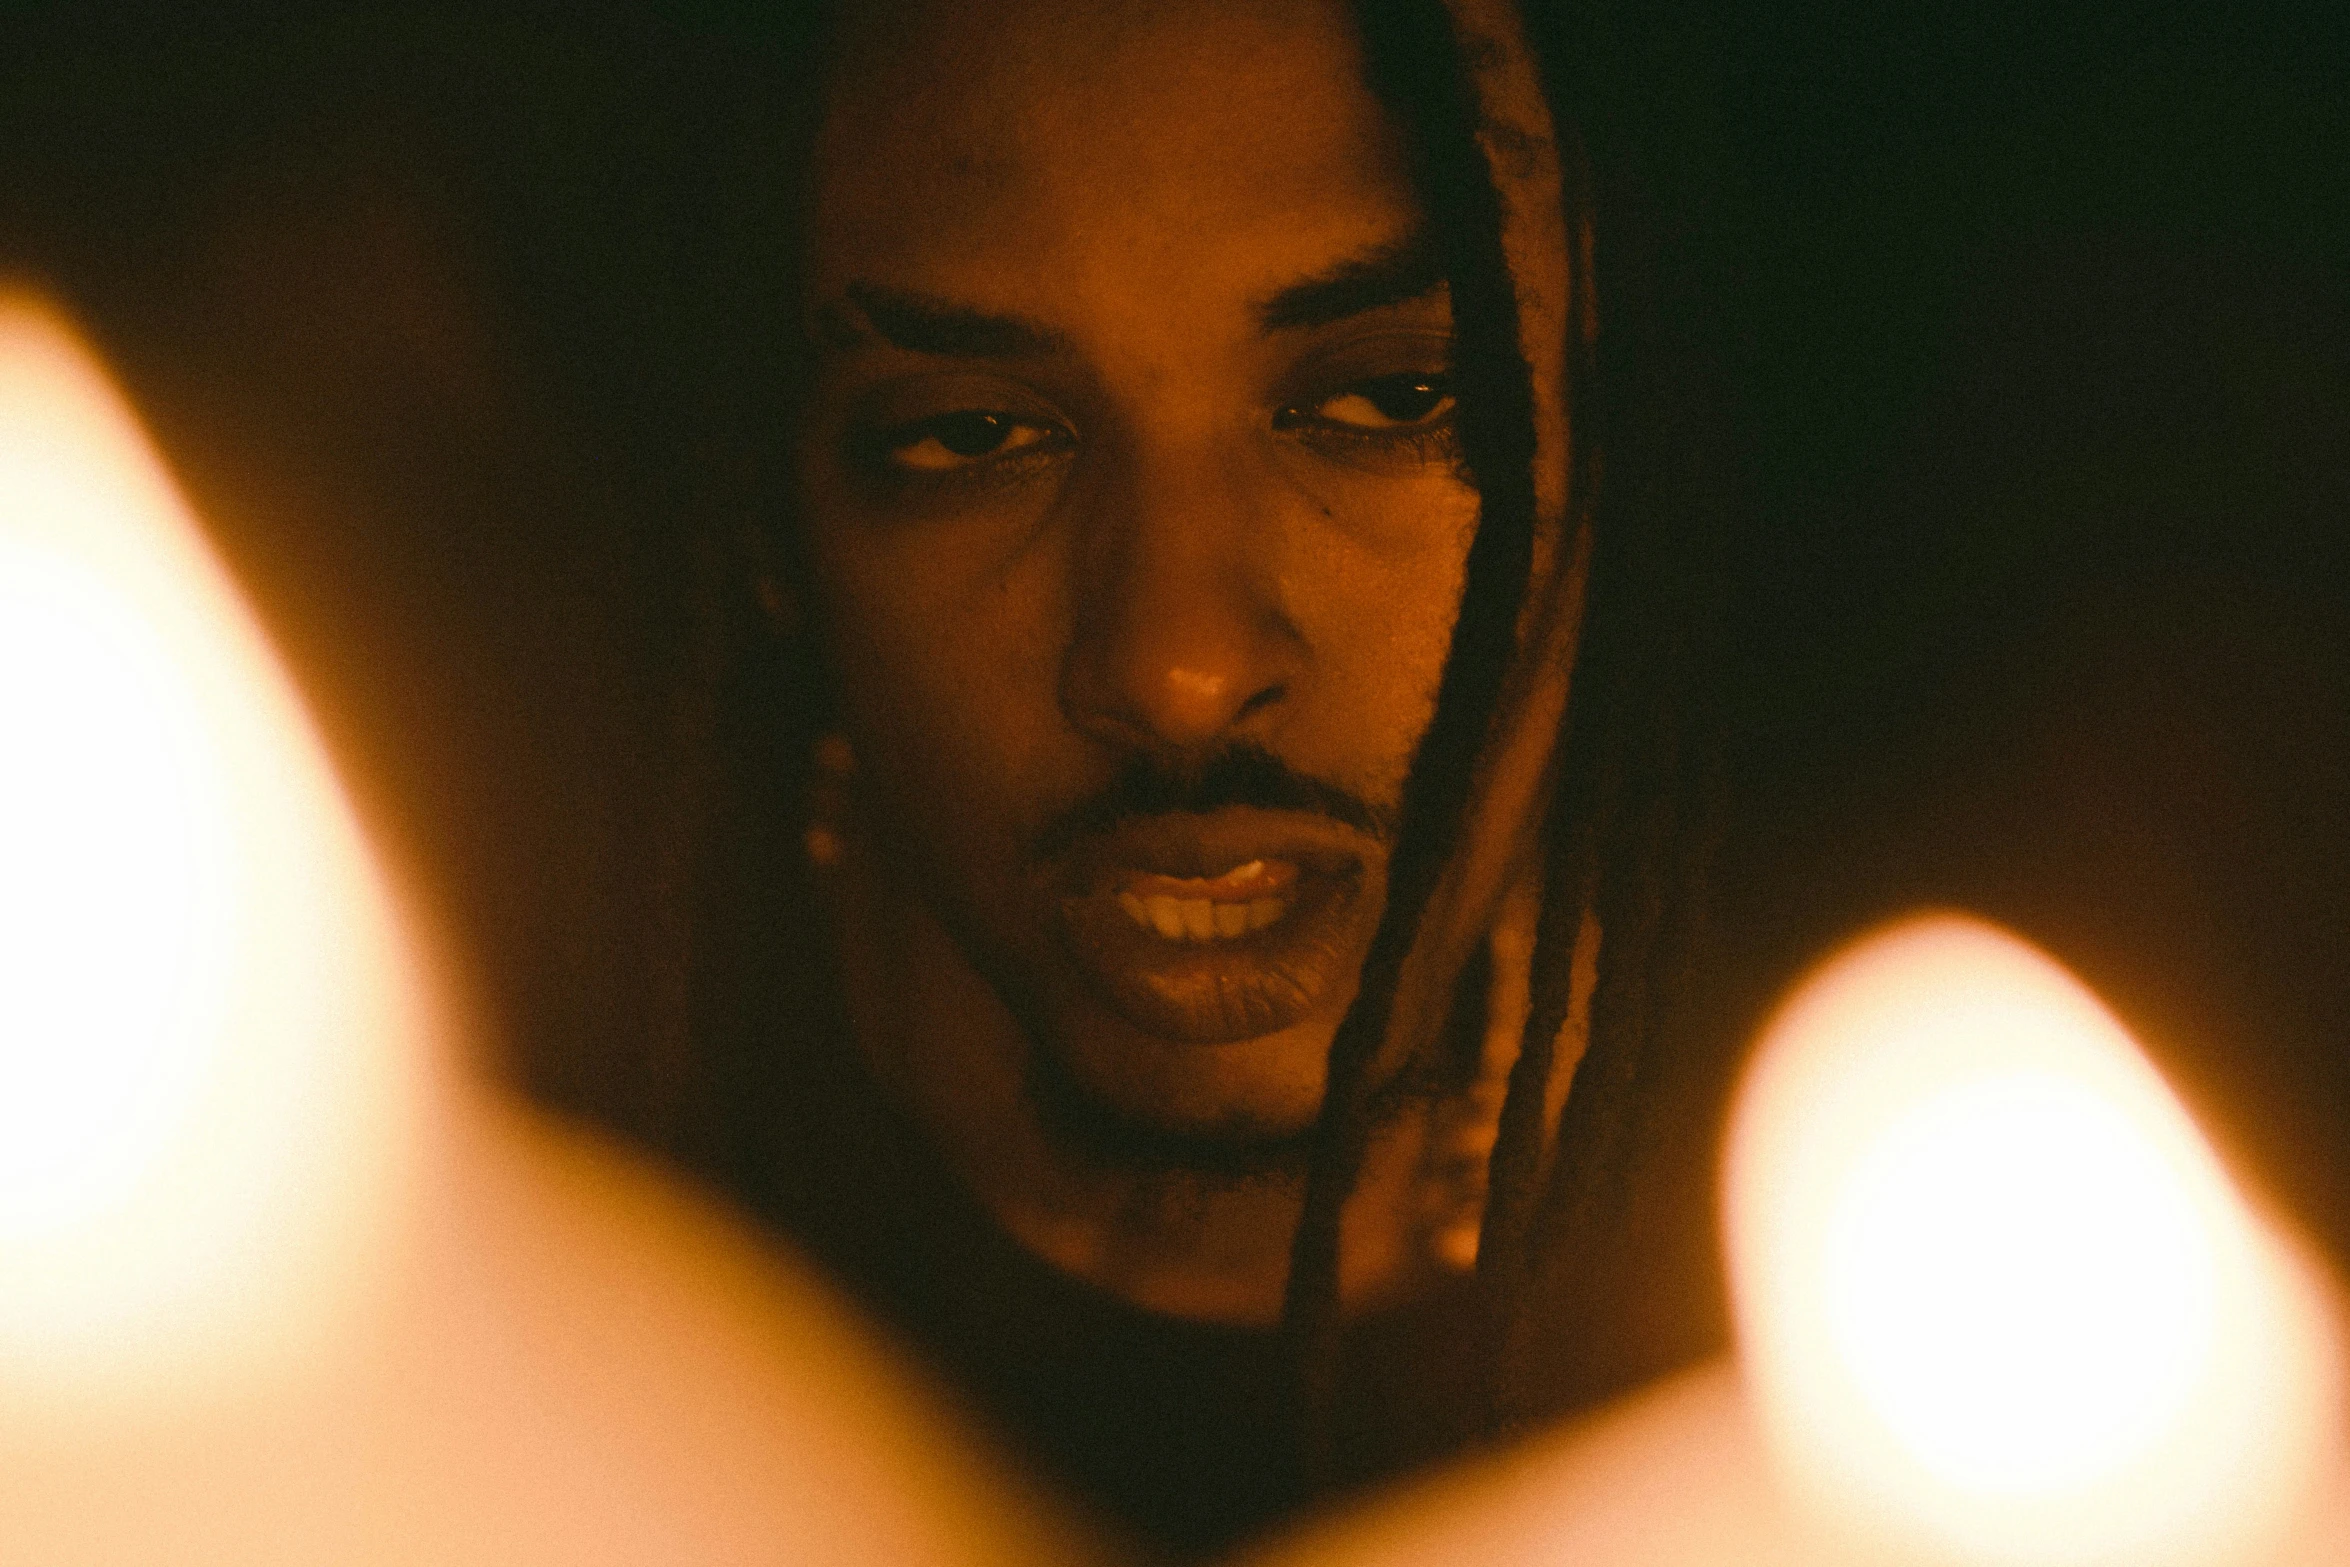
(967, 438)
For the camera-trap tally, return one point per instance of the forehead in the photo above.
(1216, 145)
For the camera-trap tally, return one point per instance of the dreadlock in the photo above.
(1582, 1299)
(1438, 109)
(1620, 843)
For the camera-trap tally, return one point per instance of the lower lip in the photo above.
(1219, 988)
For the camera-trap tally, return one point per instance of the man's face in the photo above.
(1137, 532)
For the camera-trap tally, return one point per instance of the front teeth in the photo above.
(1200, 919)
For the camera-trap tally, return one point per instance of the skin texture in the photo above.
(1190, 529)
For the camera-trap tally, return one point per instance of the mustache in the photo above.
(1238, 775)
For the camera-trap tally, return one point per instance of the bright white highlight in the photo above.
(2069, 1281)
(277, 1285)
(1997, 1306)
(122, 895)
(1996, 1299)
(187, 1181)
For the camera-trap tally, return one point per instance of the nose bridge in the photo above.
(1180, 634)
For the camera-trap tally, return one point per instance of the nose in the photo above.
(1181, 642)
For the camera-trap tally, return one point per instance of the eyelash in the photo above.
(1431, 439)
(875, 453)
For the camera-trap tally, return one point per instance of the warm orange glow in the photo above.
(279, 1284)
(1996, 1298)
(1997, 1306)
(186, 908)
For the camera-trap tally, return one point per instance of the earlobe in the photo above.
(779, 607)
(833, 766)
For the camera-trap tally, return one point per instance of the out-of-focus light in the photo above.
(1996, 1300)
(186, 909)
(279, 1283)
(1997, 1306)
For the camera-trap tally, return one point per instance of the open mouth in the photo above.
(1248, 898)
(1215, 929)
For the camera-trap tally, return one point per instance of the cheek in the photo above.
(1377, 597)
(946, 665)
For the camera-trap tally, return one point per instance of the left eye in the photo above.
(1388, 402)
(958, 440)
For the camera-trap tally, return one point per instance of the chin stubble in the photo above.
(1086, 1126)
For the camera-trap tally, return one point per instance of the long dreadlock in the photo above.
(1438, 109)
(1621, 845)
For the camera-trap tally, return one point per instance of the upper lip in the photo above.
(1193, 846)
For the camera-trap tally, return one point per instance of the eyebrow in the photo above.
(1406, 270)
(922, 324)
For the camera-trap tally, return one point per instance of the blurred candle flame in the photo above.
(186, 907)
(279, 1282)
(1997, 1305)
(1996, 1299)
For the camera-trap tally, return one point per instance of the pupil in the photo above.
(1406, 398)
(971, 434)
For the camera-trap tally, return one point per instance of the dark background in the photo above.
(2021, 333)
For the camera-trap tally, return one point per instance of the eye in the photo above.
(1397, 422)
(947, 443)
(1406, 401)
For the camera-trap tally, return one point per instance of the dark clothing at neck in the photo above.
(1180, 1435)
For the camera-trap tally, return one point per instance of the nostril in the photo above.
(1262, 700)
(1170, 680)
